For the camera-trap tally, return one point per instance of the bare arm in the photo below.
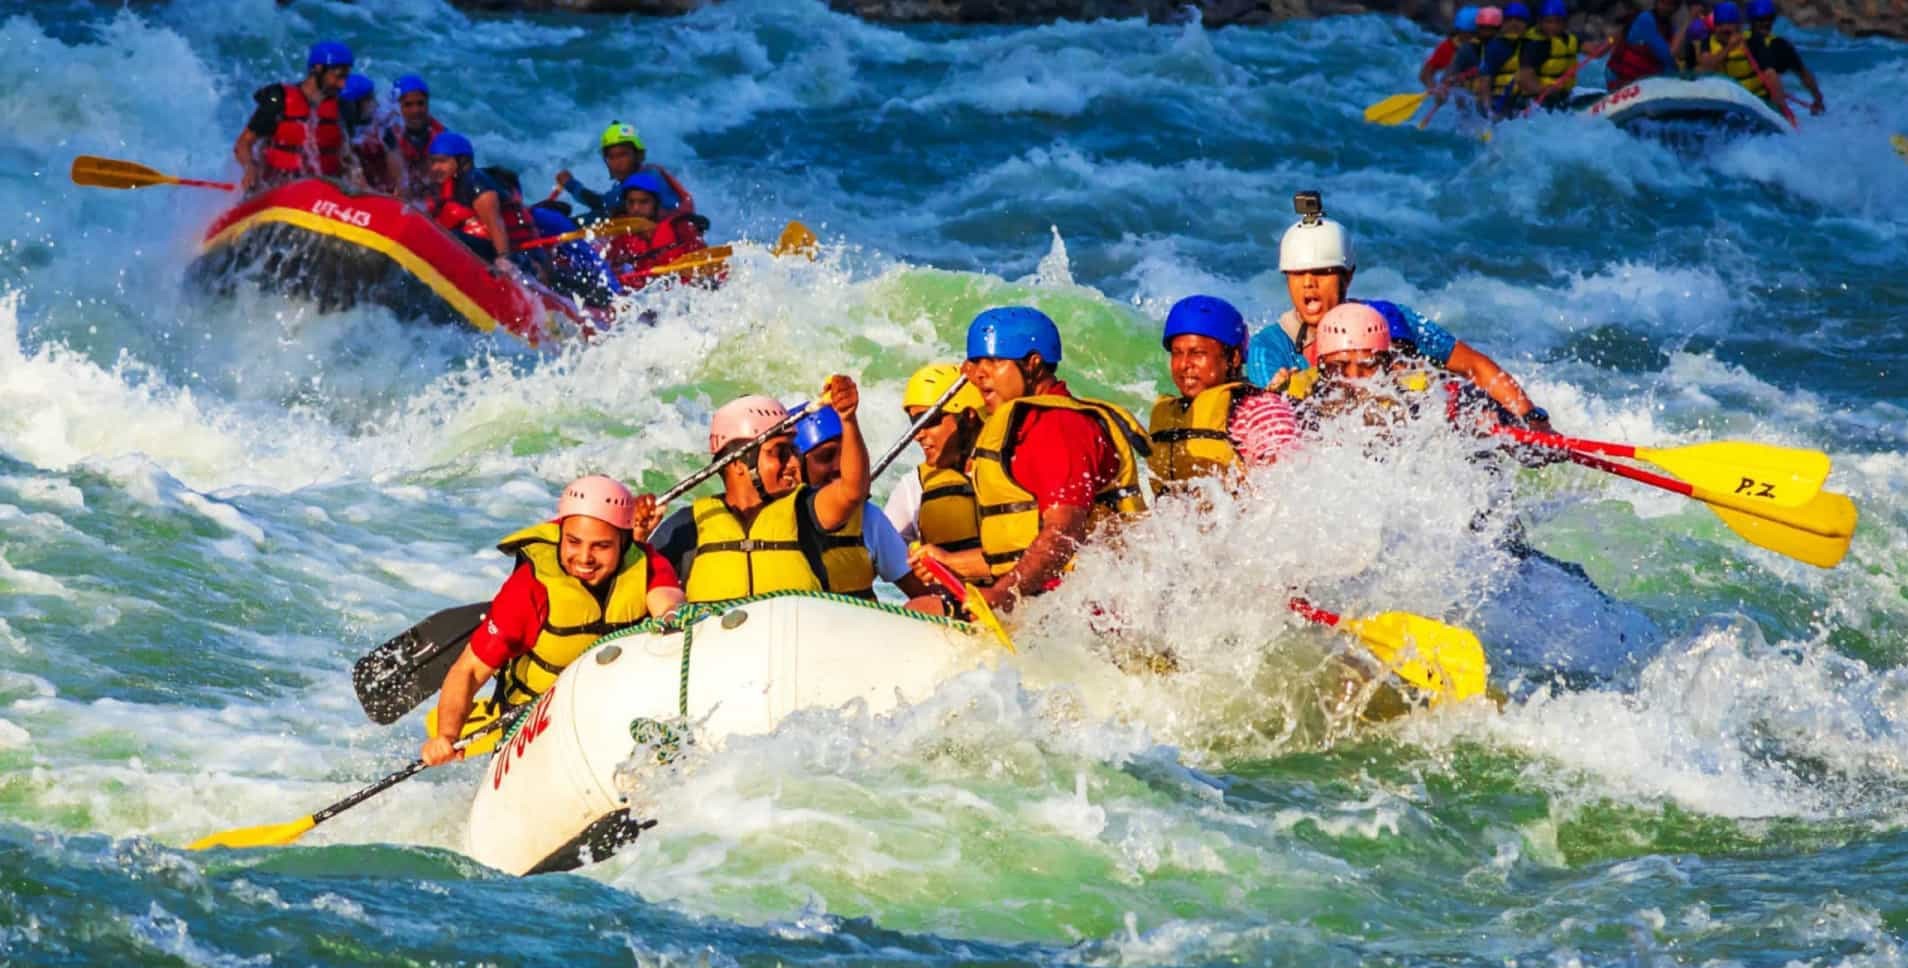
(837, 502)
(453, 705)
(242, 149)
(1489, 377)
(1062, 529)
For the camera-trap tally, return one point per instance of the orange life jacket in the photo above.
(287, 152)
(671, 239)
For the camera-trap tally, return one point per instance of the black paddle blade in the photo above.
(401, 674)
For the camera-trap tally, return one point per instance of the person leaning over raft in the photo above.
(1316, 257)
(468, 202)
(1643, 45)
(579, 576)
(766, 532)
(1218, 423)
(1776, 54)
(1048, 465)
(298, 125)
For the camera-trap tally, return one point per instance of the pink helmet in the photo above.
(599, 497)
(1490, 17)
(743, 419)
(1352, 326)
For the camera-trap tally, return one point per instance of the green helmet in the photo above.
(619, 133)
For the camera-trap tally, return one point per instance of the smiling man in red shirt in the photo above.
(579, 576)
(1048, 465)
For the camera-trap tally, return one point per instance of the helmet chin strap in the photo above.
(751, 463)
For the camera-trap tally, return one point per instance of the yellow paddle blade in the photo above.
(703, 262)
(1817, 533)
(984, 617)
(797, 239)
(1786, 477)
(270, 835)
(1900, 141)
(93, 171)
(1443, 661)
(478, 737)
(1396, 109)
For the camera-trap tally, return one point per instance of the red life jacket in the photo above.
(454, 207)
(671, 239)
(416, 155)
(287, 152)
(1628, 62)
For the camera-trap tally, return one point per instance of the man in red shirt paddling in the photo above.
(581, 575)
(1048, 465)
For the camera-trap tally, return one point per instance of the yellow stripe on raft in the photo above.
(424, 271)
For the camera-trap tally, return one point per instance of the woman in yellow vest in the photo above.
(935, 507)
(766, 532)
(579, 576)
(1048, 465)
(1203, 430)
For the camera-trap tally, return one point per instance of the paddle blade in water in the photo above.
(270, 835)
(984, 616)
(796, 239)
(1783, 476)
(1817, 533)
(1443, 661)
(1396, 109)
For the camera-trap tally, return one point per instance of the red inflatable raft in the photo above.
(317, 240)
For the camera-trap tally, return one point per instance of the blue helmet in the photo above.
(1011, 333)
(453, 144)
(642, 181)
(1762, 9)
(1465, 21)
(357, 88)
(1516, 10)
(1207, 316)
(817, 427)
(409, 84)
(1553, 8)
(328, 53)
(1726, 13)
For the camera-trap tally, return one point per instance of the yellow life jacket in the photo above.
(1505, 80)
(1190, 435)
(767, 557)
(1738, 68)
(577, 619)
(1009, 515)
(1563, 56)
(847, 567)
(950, 517)
(1414, 381)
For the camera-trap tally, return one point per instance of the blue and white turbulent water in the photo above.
(209, 510)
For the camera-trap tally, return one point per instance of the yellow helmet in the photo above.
(929, 382)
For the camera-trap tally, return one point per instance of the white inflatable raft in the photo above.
(548, 800)
(1708, 102)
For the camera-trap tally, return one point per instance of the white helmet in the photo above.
(1316, 242)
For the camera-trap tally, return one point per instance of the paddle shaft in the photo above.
(202, 183)
(725, 460)
(1312, 613)
(927, 416)
(1525, 435)
(607, 230)
(415, 767)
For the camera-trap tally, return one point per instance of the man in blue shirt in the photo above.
(1316, 257)
(818, 446)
